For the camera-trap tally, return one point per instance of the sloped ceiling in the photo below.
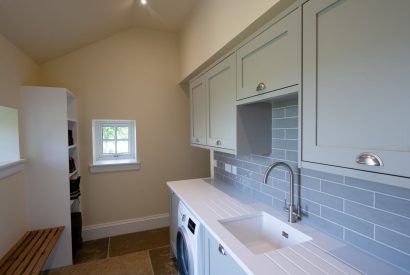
(46, 29)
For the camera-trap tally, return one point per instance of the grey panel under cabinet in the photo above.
(356, 92)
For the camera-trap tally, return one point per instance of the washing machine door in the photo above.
(184, 253)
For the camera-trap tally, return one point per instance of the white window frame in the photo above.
(113, 162)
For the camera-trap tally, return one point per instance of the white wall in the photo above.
(15, 69)
(215, 23)
(131, 75)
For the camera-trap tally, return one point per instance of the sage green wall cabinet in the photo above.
(356, 88)
(270, 61)
(217, 260)
(173, 221)
(218, 123)
(213, 107)
(220, 89)
(197, 95)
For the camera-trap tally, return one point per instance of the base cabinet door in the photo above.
(221, 86)
(217, 261)
(356, 88)
(173, 221)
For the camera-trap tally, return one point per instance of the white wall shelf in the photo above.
(48, 115)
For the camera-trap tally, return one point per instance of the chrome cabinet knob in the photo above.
(221, 249)
(218, 142)
(370, 159)
(260, 87)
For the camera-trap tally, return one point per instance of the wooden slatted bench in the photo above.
(30, 253)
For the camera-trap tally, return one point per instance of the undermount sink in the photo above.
(261, 232)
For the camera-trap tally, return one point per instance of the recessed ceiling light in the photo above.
(143, 2)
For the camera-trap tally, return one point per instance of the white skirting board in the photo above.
(103, 230)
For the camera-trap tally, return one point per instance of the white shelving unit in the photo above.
(48, 114)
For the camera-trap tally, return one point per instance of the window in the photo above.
(114, 143)
(10, 162)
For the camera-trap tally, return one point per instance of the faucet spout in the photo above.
(293, 215)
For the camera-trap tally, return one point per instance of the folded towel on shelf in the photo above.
(75, 187)
(75, 195)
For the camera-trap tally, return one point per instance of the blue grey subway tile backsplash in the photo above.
(372, 216)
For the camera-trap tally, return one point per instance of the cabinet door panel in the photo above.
(270, 58)
(173, 228)
(221, 87)
(198, 111)
(356, 91)
(215, 262)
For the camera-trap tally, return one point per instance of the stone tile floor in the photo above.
(144, 252)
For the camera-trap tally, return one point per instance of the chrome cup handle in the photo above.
(370, 159)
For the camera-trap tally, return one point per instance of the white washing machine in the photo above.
(189, 239)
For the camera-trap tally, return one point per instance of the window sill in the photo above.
(8, 169)
(114, 166)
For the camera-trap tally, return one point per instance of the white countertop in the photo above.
(212, 200)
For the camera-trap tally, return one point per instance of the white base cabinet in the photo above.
(173, 221)
(48, 114)
(355, 85)
(217, 260)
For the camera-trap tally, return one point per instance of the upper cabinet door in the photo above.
(198, 104)
(221, 87)
(356, 88)
(270, 61)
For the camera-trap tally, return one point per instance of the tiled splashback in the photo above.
(372, 216)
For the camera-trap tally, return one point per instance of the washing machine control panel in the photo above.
(191, 226)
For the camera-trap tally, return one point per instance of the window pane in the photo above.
(108, 132)
(108, 147)
(122, 146)
(122, 132)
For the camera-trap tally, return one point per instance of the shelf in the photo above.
(72, 146)
(72, 120)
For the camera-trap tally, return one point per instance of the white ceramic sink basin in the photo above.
(261, 232)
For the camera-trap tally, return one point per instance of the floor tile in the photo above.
(92, 250)
(161, 262)
(131, 264)
(145, 240)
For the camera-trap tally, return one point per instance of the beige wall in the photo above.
(132, 75)
(212, 25)
(15, 69)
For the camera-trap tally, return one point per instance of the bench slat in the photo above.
(11, 251)
(21, 257)
(30, 253)
(16, 251)
(33, 251)
(56, 235)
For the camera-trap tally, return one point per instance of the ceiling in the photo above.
(46, 29)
